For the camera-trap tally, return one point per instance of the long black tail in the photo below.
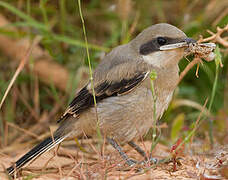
(39, 149)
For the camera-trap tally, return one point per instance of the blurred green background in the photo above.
(108, 24)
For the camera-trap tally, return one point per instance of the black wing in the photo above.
(84, 98)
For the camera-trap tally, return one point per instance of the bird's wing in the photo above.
(84, 99)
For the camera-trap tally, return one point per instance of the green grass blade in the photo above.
(44, 13)
(45, 28)
(71, 41)
(218, 59)
(90, 68)
(153, 76)
(24, 16)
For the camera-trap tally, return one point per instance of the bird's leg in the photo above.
(150, 159)
(130, 162)
(142, 153)
(138, 149)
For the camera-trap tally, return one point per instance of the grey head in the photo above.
(161, 45)
(144, 52)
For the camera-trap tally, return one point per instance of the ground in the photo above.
(71, 163)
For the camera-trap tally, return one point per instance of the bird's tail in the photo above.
(39, 149)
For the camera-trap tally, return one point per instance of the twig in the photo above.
(220, 17)
(24, 60)
(199, 117)
(193, 104)
(188, 67)
(23, 130)
(31, 110)
(47, 70)
(216, 37)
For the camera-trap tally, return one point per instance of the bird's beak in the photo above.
(189, 40)
(182, 43)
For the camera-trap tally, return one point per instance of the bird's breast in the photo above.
(130, 115)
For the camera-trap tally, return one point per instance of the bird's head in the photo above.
(161, 45)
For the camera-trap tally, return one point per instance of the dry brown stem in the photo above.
(216, 37)
(47, 70)
(23, 62)
(188, 67)
(220, 17)
(30, 133)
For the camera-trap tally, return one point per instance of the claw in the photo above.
(149, 160)
(131, 162)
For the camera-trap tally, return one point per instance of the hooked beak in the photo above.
(192, 47)
(189, 40)
(184, 43)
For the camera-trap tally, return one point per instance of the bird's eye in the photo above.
(161, 41)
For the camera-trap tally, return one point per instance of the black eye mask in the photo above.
(155, 44)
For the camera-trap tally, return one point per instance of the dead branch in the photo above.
(216, 37)
(47, 70)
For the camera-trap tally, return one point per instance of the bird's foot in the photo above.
(170, 160)
(149, 161)
(131, 162)
(138, 165)
(176, 162)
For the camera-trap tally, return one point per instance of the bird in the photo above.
(121, 90)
